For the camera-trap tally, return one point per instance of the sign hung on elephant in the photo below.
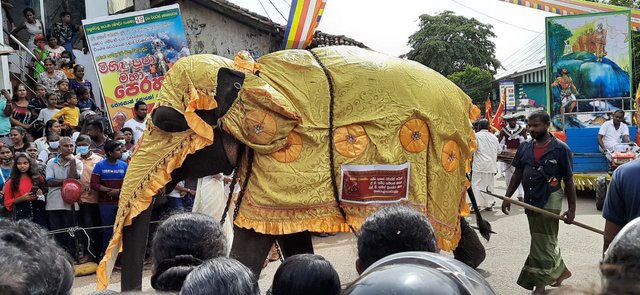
(368, 184)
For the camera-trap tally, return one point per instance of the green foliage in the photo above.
(625, 3)
(448, 43)
(475, 82)
(560, 34)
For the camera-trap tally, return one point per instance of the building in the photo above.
(527, 68)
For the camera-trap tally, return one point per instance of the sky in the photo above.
(385, 25)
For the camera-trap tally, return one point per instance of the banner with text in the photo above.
(132, 53)
(508, 94)
(368, 184)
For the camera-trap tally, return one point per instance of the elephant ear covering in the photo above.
(189, 86)
(386, 111)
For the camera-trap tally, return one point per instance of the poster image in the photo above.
(508, 94)
(589, 68)
(132, 53)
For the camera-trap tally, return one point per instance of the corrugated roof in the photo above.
(530, 57)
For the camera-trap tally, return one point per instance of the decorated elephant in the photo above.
(319, 140)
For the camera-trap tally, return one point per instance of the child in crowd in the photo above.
(41, 54)
(307, 274)
(107, 179)
(70, 113)
(63, 88)
(85, 102)
(65, 64)
(50, 110)
(24, 191)
(39, 102)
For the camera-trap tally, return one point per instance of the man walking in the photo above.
(541, 165)
(484, 164)
(510, 138)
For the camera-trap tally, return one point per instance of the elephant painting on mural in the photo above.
(319, 139)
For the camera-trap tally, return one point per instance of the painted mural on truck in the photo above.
(589, 67)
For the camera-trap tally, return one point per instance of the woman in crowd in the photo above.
(307, 274)
(32, 25)
(20, 138)
(21, 114)
(51, 76)
(32, 151)
(24, 191)
(65, 64)
(55, 50)
(52, 126)
(181, 243)
(79, 81)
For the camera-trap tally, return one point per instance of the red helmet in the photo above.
(71, 191)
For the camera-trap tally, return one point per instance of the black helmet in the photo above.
(419, 273)
(620, 266)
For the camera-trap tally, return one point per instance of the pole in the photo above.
(544, 212)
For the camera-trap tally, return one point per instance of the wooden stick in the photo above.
(544, 212)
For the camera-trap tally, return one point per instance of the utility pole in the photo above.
(141, 4)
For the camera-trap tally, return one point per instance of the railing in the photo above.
(22, 64)
(594, 111)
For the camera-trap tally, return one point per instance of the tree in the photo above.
(448, 43)
(475, 82)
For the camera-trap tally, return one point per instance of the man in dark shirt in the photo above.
(623, 200)
(541, 164)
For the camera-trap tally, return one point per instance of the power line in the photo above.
(496, 19)
(274, 6)
(288, 4)
(265, 10)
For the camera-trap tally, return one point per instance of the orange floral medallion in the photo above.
(350, 141)
(259, 127)
(450, 156)
(291, 152)
(414, 135)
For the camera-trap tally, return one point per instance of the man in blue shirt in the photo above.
(542, 164)
(622, 203)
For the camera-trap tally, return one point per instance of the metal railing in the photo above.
(593, 107)
(22, 66)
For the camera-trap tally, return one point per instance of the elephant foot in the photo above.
(470, 250)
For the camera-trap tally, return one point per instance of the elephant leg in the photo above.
(470, 250)
(134, 239)
(298, 243)
(251, 248)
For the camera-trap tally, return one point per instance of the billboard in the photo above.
(132, 52)
(508, 94)
(589, 68)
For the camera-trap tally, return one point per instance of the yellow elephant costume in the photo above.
(386, 111)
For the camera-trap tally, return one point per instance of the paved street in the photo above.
(506, 251)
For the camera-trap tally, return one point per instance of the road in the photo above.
(506, 251)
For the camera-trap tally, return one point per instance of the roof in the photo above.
(252, 19)
(533, 56)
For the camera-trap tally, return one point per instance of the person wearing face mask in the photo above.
(66, 65)
(53, 140)
(51, 126)
(119, 137)
(89, 211)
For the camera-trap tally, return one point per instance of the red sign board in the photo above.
(375, 183)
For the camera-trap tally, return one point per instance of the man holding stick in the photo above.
(541, 165)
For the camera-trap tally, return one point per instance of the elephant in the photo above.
(318, 139)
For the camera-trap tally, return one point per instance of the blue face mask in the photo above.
(82, 150)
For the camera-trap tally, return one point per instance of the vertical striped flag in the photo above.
(303, 21)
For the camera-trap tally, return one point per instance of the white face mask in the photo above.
(121, 141)
(65, 60)
(125, 156)
(54, 144)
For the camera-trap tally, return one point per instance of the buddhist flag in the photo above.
(303, 21)
(496, 121)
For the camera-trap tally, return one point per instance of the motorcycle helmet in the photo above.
(419, 273)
